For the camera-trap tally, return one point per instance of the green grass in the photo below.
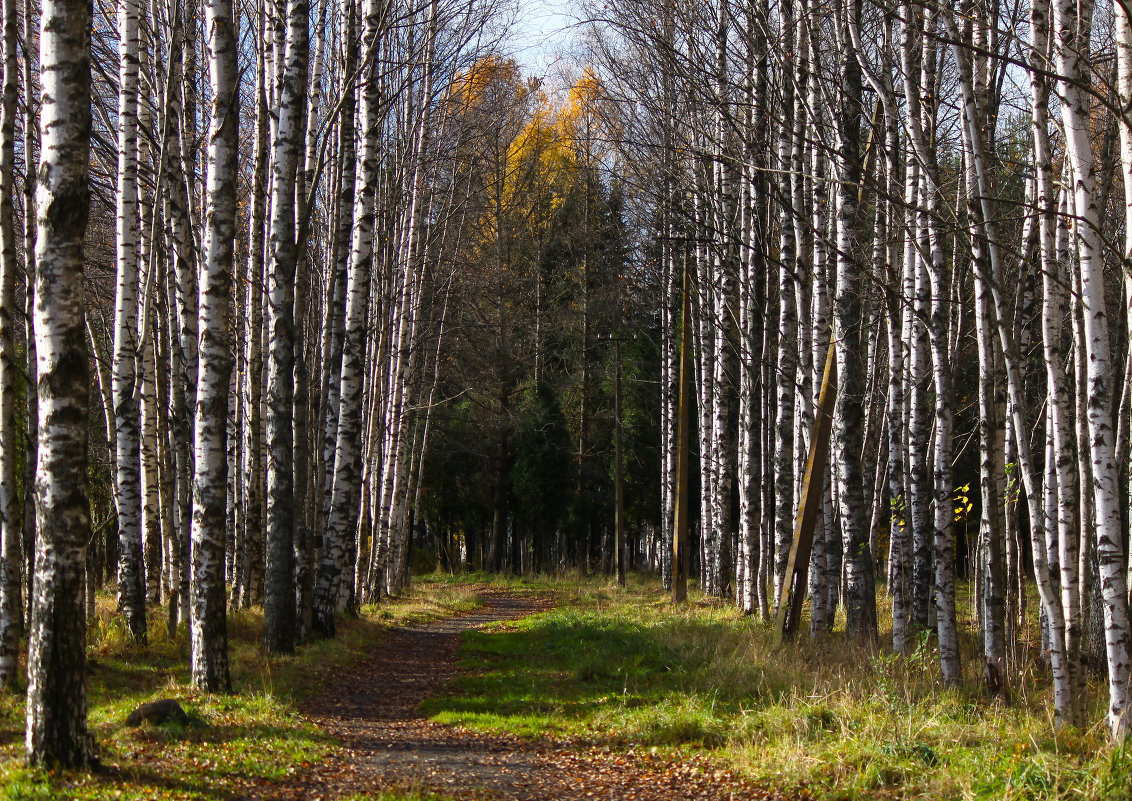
(623, 668)
(232, 743)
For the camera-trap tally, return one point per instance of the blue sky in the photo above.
(543, 32)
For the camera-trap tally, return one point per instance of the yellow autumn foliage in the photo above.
(546, 147)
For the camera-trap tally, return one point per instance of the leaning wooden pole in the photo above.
(789, 614)
(813, 482)
(680, 523)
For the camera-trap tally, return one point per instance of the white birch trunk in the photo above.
(151, 489)
(279, 595)
(209, 633)
(331, 588)
(183, 321)
(984, 257)
(916, 294)
(56, 733)
(1123, 24)
(31, 158)
(822, 603)
(1072, 27)
(249, 551)
(336, 300)
(131, 578)
(11, 556)
(848, 416)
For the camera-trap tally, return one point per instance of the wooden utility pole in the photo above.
(619, 513)
(798, 563)
(680, 524)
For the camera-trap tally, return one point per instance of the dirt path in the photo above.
(388, 745)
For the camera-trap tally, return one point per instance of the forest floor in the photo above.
(476, 687)
(392, 751)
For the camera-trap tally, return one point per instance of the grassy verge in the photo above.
(622, 667)
(233, 743)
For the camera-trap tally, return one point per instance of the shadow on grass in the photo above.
(211, 761)
(111, 678)
(179, 762)
(156, 784)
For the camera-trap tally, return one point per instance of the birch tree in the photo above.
(56, 733)
(787, 320)
(848, 417)
(248, 553)
(208, 624)
(1072, 25)
(279, 599)
(31, 159)
(128, 478)
(11, 551)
